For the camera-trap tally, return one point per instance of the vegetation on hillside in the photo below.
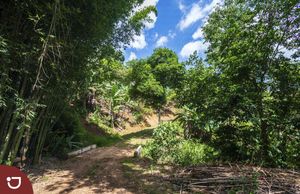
(50, 51)
(62, 63)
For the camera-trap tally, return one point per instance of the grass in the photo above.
(101, 141)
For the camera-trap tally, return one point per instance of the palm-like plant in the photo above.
(116, 96)
(193, 124)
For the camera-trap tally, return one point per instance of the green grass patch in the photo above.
(100, 141)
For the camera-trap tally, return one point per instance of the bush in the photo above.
(102, 122)
(140, 111)
(110, 136)
(192, 152)
(69, 134)
(169, 145)
(66, 135)
(237, 142)
(165, 141)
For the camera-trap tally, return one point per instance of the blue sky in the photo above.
(177, 26)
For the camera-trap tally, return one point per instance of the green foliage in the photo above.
(192, 152)
(166, 68)
(98, 120)
(108, 138)
(140, 111)
(194, 124)
(66, 135)
(144, 85)
(237, 141)
(169, 145)
(152, 78)
(101, 140)
(69, 134)
(51, 52)
(247, 92)
(165, 142)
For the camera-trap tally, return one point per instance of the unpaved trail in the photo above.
(98, 171)
(114, 170)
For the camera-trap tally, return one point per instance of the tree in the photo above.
(166, 68)
(246, 39)
(152, 77)
(167, 71)
(46, 48)
(144, 86)
(197, 96)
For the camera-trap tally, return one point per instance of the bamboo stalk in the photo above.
(7, 138)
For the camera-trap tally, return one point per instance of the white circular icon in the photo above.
(14, 178)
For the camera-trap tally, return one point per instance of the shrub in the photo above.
(110, 136)
(66, 135)
(237, 141)
(169, 145)
(69, 134)
(165, 141)
(102, 122)
(140, 111)
(192, 152)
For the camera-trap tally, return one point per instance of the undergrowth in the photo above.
(169, 146)
(69, 134)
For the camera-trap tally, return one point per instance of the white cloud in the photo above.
(210, 7)
(150, 25)
(196, 13)
(198, 34)
(181, 6)
(139, 42)
(161, 41)
(171, 34)
(155, 36)
(193, 16)
(190, 47)
(147, 3)
(132, 56)
(152, 16)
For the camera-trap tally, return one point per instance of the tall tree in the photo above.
(46, 50)
(246, 43)
(144, 85)
(153, 76)
(167, 70)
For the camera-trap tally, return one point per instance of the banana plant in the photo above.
(116, 96)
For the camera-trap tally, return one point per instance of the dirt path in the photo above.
(98, 171)
(114, 170)
(102, 170)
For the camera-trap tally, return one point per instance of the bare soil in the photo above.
(113, 169)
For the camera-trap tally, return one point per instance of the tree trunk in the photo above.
(263, 127)
(159, 115)
(8, 138)
(112, 115)
(264, 141)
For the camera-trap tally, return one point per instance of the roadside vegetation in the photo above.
(64, 84)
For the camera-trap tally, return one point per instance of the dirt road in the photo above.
(102, 170)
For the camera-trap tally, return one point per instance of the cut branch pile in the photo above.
(245, 179)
